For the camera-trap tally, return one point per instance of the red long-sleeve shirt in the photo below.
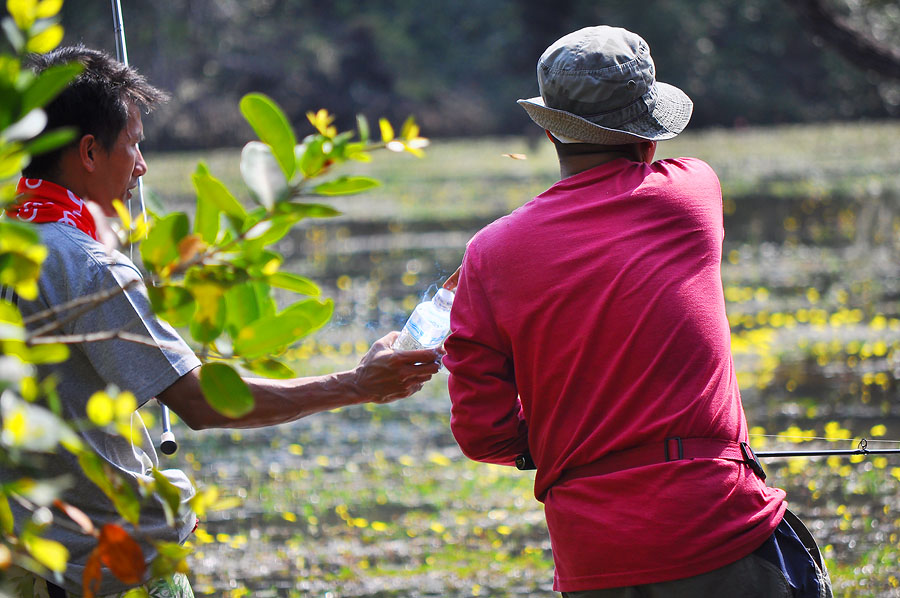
(590, 321)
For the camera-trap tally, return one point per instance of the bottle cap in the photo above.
(443, 298)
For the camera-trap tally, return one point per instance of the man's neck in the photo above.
(572, 165)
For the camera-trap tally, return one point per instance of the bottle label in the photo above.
(425, 336)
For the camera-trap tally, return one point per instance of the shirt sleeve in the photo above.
(145, 368)
(486, 417)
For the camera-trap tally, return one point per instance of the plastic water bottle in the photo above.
(428, 325)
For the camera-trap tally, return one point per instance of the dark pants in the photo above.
(787, 565)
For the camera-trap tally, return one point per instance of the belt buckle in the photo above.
(678, 444)
(751, 461)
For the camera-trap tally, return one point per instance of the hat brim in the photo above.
(669, 118)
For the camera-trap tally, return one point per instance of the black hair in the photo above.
(95, 103)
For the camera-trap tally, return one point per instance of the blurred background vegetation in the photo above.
(459, 66)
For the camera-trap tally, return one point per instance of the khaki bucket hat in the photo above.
(598, 85)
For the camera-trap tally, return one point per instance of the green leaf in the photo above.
(209, 317)
(270, 368)
(269, 335)
(50, 353)
(225, 391)
(160, 248)
(171, 303)
(48, 84)
(243, 305)
(207, 219)
(262, 174)
(12, 160)
(272, 127)
(50, 141)
(10, 314)
(116, 489)
(169, 493)
(362, 124)
(49, 553)
(214, 191)
(169, 559)
(93, 467)
(294, 282)
(308, 210)
(313, 159)
(7, 521)
(346, 185)
(277, 227)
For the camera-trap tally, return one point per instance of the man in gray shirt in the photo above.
(102, 164)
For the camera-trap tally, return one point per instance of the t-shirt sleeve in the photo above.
(146, 367)
(487, 419)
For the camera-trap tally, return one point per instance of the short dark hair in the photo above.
(95, 103)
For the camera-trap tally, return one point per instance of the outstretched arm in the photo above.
(383, 375)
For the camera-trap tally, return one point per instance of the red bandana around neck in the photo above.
(41, 201)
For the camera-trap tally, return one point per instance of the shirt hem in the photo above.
(671, 573)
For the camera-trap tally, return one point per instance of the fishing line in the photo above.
(167, 443)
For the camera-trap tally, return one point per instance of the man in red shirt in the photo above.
(590, 335)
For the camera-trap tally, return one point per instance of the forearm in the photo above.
(275, 401)
(383, 375)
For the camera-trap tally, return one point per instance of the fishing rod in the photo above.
(167, 443)
(524, 462)
(861, 449)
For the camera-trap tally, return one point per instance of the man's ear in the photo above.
(87, 152)
(646, 151)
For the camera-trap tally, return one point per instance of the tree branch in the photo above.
(93, 337)
(855, 45)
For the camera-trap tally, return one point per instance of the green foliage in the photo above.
(226, 392)
(219, 279)
(215, 276)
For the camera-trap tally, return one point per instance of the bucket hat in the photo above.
(598, 85)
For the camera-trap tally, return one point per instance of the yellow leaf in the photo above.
(48, 8)
(46, 40)
(27, 289)
(387, 131)
(879, 430)
(122, 211)
(125, 405)
(49, 553)
(23, 12)
(100, 408)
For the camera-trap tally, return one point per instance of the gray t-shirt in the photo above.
(78, 266)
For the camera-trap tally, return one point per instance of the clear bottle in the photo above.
(428, 325)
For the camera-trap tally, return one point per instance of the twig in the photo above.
(87, 302)
(92, 337)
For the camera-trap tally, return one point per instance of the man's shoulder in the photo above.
(691, 165)
(78, 261)
(67, 240)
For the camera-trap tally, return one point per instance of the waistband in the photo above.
(674, 448)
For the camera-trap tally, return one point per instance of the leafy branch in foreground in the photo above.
(217, 277)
